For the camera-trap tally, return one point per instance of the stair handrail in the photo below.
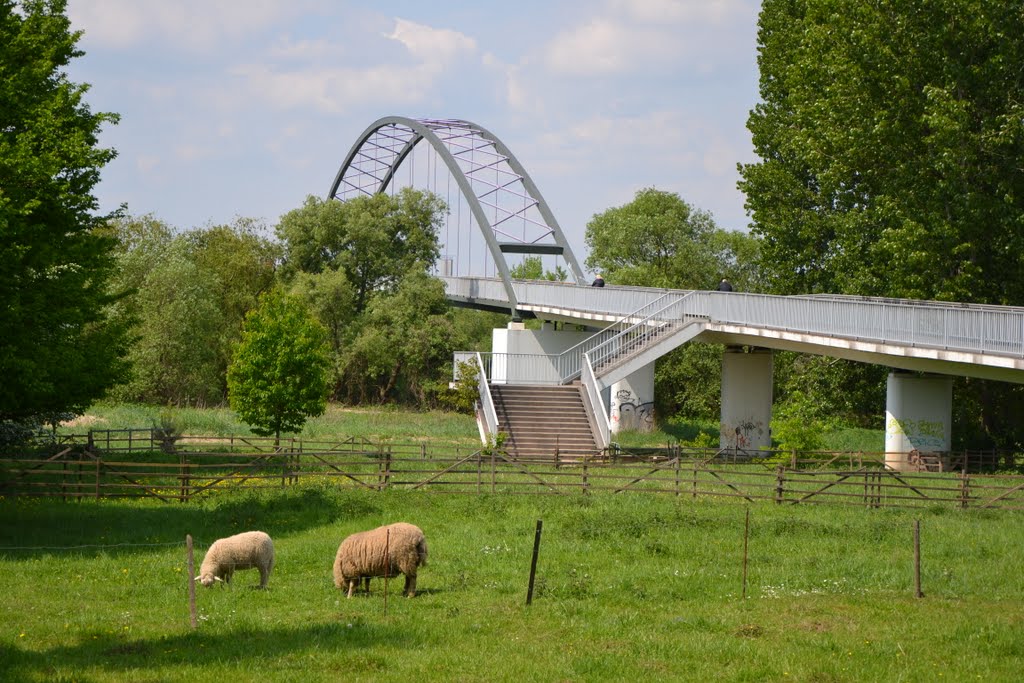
(490, 415)
(570, 361)
(598, 410)
(657, 320)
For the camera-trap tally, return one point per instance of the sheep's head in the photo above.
(208, 579)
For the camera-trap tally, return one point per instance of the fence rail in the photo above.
(855, 479)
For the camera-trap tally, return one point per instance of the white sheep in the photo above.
(248, 550)
(362, 555)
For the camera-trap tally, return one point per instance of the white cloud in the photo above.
(335, 90)
(679, 11)
(604, 46)
(431, 45)
(646, 36)
(187, 24)
(306, 50)
(192, 152)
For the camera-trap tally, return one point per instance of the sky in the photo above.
(242, 108)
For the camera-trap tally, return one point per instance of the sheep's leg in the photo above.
(366, 583)
(264, 576)
(352, 586)
(410, 585)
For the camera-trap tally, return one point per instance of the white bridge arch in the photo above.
(508, 208)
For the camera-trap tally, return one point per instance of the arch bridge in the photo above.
(610, 337)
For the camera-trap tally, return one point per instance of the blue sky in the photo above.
(242, 108)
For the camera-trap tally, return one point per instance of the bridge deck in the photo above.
(946, 338)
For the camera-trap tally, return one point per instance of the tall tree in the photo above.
(278, 377)
(59, 347)
(890, 136)
(403, 344)
(659, 240)
(375, 240)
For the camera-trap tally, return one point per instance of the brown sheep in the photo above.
(362, 555)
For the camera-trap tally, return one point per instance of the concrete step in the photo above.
(540, 421)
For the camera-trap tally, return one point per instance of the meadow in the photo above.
(396, 424)
(644, 587)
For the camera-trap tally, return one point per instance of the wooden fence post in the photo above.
(585, 482)
(917, 559)
(965, 488)
(191, 581)
(746, 535)
(676, 467)
(533, 562)
(695, 480)
(780, 483)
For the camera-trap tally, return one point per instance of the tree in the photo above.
(60, 348)
(240, 264)
(175, 359)
(656, 240)
(375, 240)
(278, 376)
(532, 268)
(890, 136)
(403, 344)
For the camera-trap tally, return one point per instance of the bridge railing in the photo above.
(668, 315)
(488, 413)
(997, 330)
(984, 329)
(596, 408)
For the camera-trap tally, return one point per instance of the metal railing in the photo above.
(658, 325)
(489, 414)
(985, 329)
(596, 408)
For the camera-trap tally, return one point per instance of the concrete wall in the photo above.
(918, 416)
(632, 401)
(746, 399)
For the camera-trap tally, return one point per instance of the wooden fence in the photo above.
(200, 466)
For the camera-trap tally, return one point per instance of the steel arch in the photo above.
(370, 165)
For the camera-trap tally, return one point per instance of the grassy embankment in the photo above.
(403, 425)
(628, 587)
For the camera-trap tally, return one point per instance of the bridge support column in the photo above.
(918, 417)
(746, 399)
(631, 404)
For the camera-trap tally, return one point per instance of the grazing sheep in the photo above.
(248, 550)
(361, 556)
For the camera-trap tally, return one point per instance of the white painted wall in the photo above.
(746, 399)
(632, 401)
(918, 416)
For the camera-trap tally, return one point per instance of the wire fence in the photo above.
(197, 466)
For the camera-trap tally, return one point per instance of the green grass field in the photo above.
(404, 425)
(640, 587)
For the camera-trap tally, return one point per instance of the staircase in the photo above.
(543, 423)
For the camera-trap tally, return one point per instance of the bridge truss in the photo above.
(504, 202)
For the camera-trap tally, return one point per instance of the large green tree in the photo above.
(660, 240)
(279, 375)
(890, 136)
(59, 347)
(375, 240)
(188, 293)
